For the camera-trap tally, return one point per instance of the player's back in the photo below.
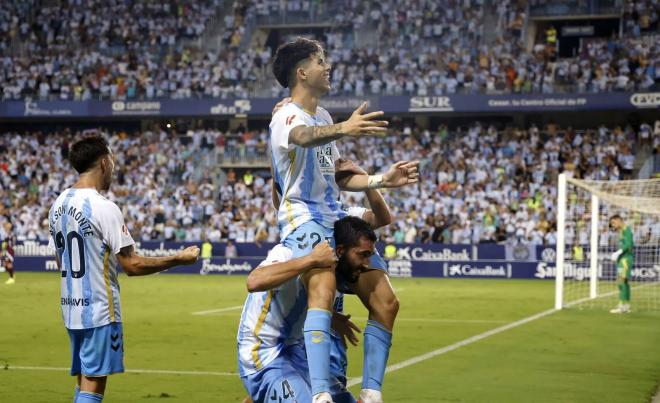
(305, 177)
(271, 319)
(86, 231)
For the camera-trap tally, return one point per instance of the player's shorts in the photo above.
(97, 351)
(304, 238)
(286, 379)
(623, 268)
(375, 263)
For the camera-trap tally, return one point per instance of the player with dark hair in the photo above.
(304, 156)
(623, 258)
(88, 234)
(272, 359)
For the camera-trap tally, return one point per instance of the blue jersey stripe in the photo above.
(88, 310)
(306, 189)
(64, 261)
(331, 197)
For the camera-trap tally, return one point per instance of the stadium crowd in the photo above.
(420, 47)
(479, 184)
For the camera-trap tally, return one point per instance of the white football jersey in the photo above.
(271, 319)
(87, 231)
(304, 177)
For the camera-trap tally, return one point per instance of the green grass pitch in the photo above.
(570, 356)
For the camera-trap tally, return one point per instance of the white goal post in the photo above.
(585, 275)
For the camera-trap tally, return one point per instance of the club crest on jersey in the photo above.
(289, 120)
(124, 230)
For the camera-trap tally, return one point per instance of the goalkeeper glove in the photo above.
(615, 255)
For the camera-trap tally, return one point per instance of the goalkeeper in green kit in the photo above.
(623, 258)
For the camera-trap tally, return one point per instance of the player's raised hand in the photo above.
(323, 255)
(188, 255)
(364, 124)
(402, 173)
(280, 104)
(345, 328)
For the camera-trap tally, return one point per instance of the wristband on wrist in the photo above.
(375, 182)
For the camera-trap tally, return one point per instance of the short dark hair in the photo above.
(349, 230)
(289, 56)
(616, 217)
(84, 153)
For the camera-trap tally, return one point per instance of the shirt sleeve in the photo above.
(51, 242)
(114, 231)
(279, 254)
(281, 125)
(356, 212)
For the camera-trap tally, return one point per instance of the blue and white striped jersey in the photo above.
(305, 177)
(87, 231)
(271, 319)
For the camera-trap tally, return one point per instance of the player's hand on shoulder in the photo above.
(324, 256)
(345, 328)
(280, 104)
(361, 123)
(189, 255)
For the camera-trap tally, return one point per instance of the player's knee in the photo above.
(389, 306)
(321, 297)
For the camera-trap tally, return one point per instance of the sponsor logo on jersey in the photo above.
(75, 301)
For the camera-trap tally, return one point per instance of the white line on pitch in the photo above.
(432, 320)
(136, 371)
(473, 339)
(212, 311)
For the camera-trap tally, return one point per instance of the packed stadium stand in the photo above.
(133, 50)
(479, 184)
(482, 182)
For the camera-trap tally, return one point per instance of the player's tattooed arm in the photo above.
(359, 124)
(312, 136)
(134, 265)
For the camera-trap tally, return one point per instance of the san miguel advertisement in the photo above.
(406, 260)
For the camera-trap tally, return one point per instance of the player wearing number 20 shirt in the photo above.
(87, 231)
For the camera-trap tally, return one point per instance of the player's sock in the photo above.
(317, 344)
(323, 397)
(11, 272)
(370, 396)
(626, 293)
(622, 299)
(76, 392)
(377, 343)
(89, 397)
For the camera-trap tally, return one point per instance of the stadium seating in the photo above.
(478, 184)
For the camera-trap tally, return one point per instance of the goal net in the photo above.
(586, 274)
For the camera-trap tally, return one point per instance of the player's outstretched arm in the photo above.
(134, 265)
(359, 124)
(271, 276)
(400, 174)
